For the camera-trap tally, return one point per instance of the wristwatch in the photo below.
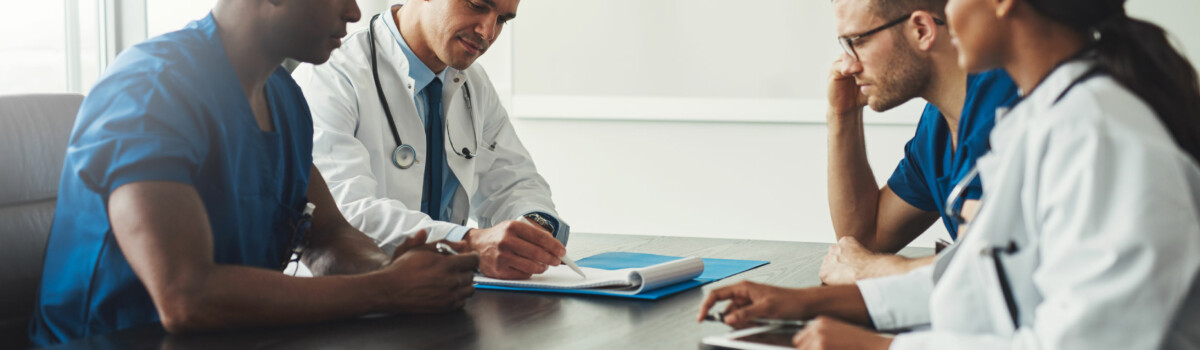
(540, 221)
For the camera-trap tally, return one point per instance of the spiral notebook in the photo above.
(623, 281)
(627, 275)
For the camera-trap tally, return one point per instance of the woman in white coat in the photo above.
(1089, 232)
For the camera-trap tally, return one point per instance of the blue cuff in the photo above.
(457, 233)
(561, 229)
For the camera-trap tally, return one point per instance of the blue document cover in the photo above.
(714, 269)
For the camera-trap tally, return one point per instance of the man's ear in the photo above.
(925, 30)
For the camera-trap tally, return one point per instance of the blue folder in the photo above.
(714, 269)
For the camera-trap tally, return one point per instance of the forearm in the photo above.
(231, 296)
(853, 192)
(343, 251)
(890, 265)
(334, 247)
(842, 302)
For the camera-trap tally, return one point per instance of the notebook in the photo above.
(621, 281)
(712, 270)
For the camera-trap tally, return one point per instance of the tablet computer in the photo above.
(773, 337)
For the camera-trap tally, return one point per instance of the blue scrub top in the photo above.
(931, 167)
(170, 109)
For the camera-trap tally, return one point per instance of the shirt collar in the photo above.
(417, 70)
(1058, 82)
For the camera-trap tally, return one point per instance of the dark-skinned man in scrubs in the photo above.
(186, 185)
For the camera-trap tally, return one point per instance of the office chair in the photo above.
(34, 130)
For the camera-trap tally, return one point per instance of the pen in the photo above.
(571, 263)
(720, 317)
(779, 322)
(445, 249)
(537, 220)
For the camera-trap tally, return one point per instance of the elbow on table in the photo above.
(186, 312)
(183, 318)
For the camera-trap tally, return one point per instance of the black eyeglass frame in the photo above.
(847, 42)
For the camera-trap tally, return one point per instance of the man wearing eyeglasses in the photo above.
(894, 51)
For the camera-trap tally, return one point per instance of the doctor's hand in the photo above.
(749, 300)
(514, 249)
(845, 98)
(828, 333)
(418, 279)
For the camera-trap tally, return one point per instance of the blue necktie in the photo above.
(435, 151)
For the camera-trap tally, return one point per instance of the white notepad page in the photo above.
(624, 281)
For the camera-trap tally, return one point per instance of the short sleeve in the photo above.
(908, 181)
(138, 127)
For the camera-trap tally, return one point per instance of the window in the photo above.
(57, 52)
(33, 62)
(165, 16)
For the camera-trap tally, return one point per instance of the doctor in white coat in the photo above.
(396, 164)
(1088, 236)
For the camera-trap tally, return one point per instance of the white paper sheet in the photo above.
(634, 280)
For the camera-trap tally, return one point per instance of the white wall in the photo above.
(686, 117)
(636, 112)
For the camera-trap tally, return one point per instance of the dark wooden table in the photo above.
(511, 320)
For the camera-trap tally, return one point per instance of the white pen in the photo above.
(571, 263)
(780, 322)
(537, 220)
(445, 249)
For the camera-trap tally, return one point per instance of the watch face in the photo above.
(540, 221)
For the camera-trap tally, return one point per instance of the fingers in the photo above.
(462, 262)
(520, 266)
(524, 256)
(459, 296)
(840, 67)
(811, 336)
(744, 316)
(460, 246)
(714, 296)
(409, 243)
(508, 273)
(518, 274)
(461, 287)
(541, 239)
(736, 294)
(801, 339)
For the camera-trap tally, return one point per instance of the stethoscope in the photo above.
(405, 155)
(995, 252)
(953, 208)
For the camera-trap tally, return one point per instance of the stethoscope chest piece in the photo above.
(404, 156)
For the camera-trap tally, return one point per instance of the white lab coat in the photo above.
(1104, 211)
(352, 144)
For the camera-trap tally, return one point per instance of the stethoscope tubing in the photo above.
(404, 155)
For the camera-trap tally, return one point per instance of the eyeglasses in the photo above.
(847, 42)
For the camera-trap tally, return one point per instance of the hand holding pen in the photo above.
(419, 279)
(444, 248)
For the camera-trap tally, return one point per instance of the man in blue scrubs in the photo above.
(186, 184)
(897, 50)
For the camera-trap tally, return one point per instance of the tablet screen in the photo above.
(778, 336)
